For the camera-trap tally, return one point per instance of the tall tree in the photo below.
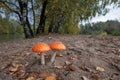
(51, 26)
(76, 11)
(41, 26)
(24, 18)
(56, 15)
(20, 7)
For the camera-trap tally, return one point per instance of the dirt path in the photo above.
(86, 58)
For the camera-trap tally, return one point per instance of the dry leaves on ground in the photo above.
(50, 78)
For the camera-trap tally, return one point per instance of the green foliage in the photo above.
(112, 27)
(103, 34)
(70, 30)
(15, 27)
(5, 26)
(102, 28)
(10, 26)
(73, 30)
(116, 32)
(73, 12)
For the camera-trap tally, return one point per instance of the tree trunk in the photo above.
(34, 30)
(41, 26)
(59, 25)
(24, 19)
(51, 26)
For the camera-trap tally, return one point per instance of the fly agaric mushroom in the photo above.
(56, 46)
(41, 48)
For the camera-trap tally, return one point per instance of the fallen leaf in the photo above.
(67, 62)
(26, 63)
(30, 78)
(72, 58)
(100, 69)
(45, 74)
(50, 37)
(84, 68)
(117, 61)
(118, 50)
(21, 73)
(84, 78)
(59, 67)
(58, 74)
(95, 77)
(15, 67)
(50, 78)
(40, 74)
(71, 68)
(59, 55)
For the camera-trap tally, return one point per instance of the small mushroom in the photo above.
(41, 48)
(56, 46)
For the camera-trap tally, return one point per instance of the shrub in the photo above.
(103, 34)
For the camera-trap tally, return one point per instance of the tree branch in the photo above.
(4, 3)
(7, 2)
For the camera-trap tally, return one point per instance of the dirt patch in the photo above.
(86, 58)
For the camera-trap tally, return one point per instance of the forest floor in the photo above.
(86, 58)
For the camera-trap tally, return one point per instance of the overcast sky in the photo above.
(113, 14)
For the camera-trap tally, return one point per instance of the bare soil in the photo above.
(86, 58)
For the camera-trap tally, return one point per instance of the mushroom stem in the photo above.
(53, 57)
(42, 59)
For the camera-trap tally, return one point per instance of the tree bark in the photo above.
(59, 25)
(24, 19)
(51, 26)
(41, 26)
(34, 30)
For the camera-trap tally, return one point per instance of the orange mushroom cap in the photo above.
(40, 47)
(57, 46)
